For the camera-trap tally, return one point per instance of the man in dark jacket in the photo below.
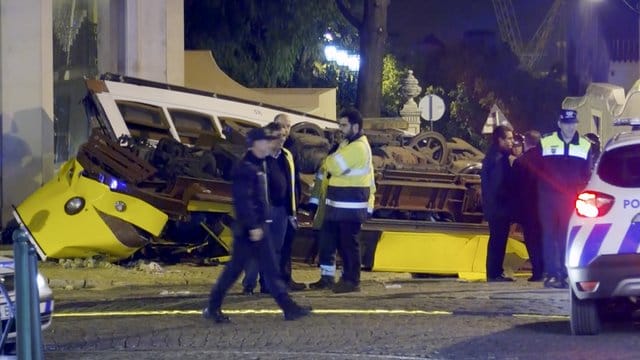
(525, 174)
(250, 231)
(495, 175)
(287, 245)
(282, 179)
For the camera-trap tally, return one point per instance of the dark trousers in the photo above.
(555, 211)
(533, 241)
(327, 245)
(496, 247)
(343, 236)
(245, 250)
(285, 253)
(277, 229)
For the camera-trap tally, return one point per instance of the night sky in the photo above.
(410, 21)
(449, 19)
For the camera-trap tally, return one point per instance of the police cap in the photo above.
(568, 116)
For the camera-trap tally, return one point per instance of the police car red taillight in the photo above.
(593, 204)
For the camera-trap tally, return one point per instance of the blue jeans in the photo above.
(277, 231)
(245, 251)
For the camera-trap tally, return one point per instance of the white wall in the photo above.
(26, 99)
(142, 38)
(623, 73)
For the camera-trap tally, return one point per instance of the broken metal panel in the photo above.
(85, 233)
(100, 155)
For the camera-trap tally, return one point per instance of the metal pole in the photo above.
(10, 320)
(23, 321)
(36, 327)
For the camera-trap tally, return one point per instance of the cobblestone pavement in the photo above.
(418, 318)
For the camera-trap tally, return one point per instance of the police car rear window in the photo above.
(621, 166)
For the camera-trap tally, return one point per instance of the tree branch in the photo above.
(346, 12)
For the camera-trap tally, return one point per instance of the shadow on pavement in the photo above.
(550, 340)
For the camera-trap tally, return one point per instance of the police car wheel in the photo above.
(584, 316)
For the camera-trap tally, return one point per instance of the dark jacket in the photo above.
(290, 144)
(279, 175)
(249, 191)
(496, 182)
(524, 184)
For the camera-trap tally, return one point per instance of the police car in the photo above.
(603, 239)
(7, 309)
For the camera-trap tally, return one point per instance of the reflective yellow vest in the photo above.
(318, 195)
(351, 184)
(292, 179)
(565, 167)
(553, 145)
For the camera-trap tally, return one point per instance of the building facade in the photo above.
(47, 48)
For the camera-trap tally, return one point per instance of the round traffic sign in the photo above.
(431, 107)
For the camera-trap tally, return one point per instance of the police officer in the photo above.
(565, 167)
(251, 206)
(496, 191)
(350, 191)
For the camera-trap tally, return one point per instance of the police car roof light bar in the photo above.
(633, 122)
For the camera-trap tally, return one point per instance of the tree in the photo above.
(259, 43)
(372, 29)
(492, 77)
(462, 115)
(392, 76)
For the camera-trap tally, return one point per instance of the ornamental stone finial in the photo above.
(409, 111)
(410, 87)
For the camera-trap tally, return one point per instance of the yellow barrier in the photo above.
(442, 254)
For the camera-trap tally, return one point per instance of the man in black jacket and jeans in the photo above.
(495, 176)
(251, 207)
(525, 176)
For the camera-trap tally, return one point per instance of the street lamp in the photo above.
(330, 52)
(341, 57)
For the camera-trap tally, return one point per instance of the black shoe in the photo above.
(247, 291)
(295, 311)
(555, 283)
(344, 286)
(325, 282)
(217, 316)
(296, 286)
(535, 278)
(264, 290)
(500, 278)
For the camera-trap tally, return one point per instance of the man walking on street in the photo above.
(349, 202)
(525, 172)
(495, 176)
(281, 177)
(250, 232)
(565, 169)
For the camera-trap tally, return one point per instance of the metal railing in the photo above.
(26, 309)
